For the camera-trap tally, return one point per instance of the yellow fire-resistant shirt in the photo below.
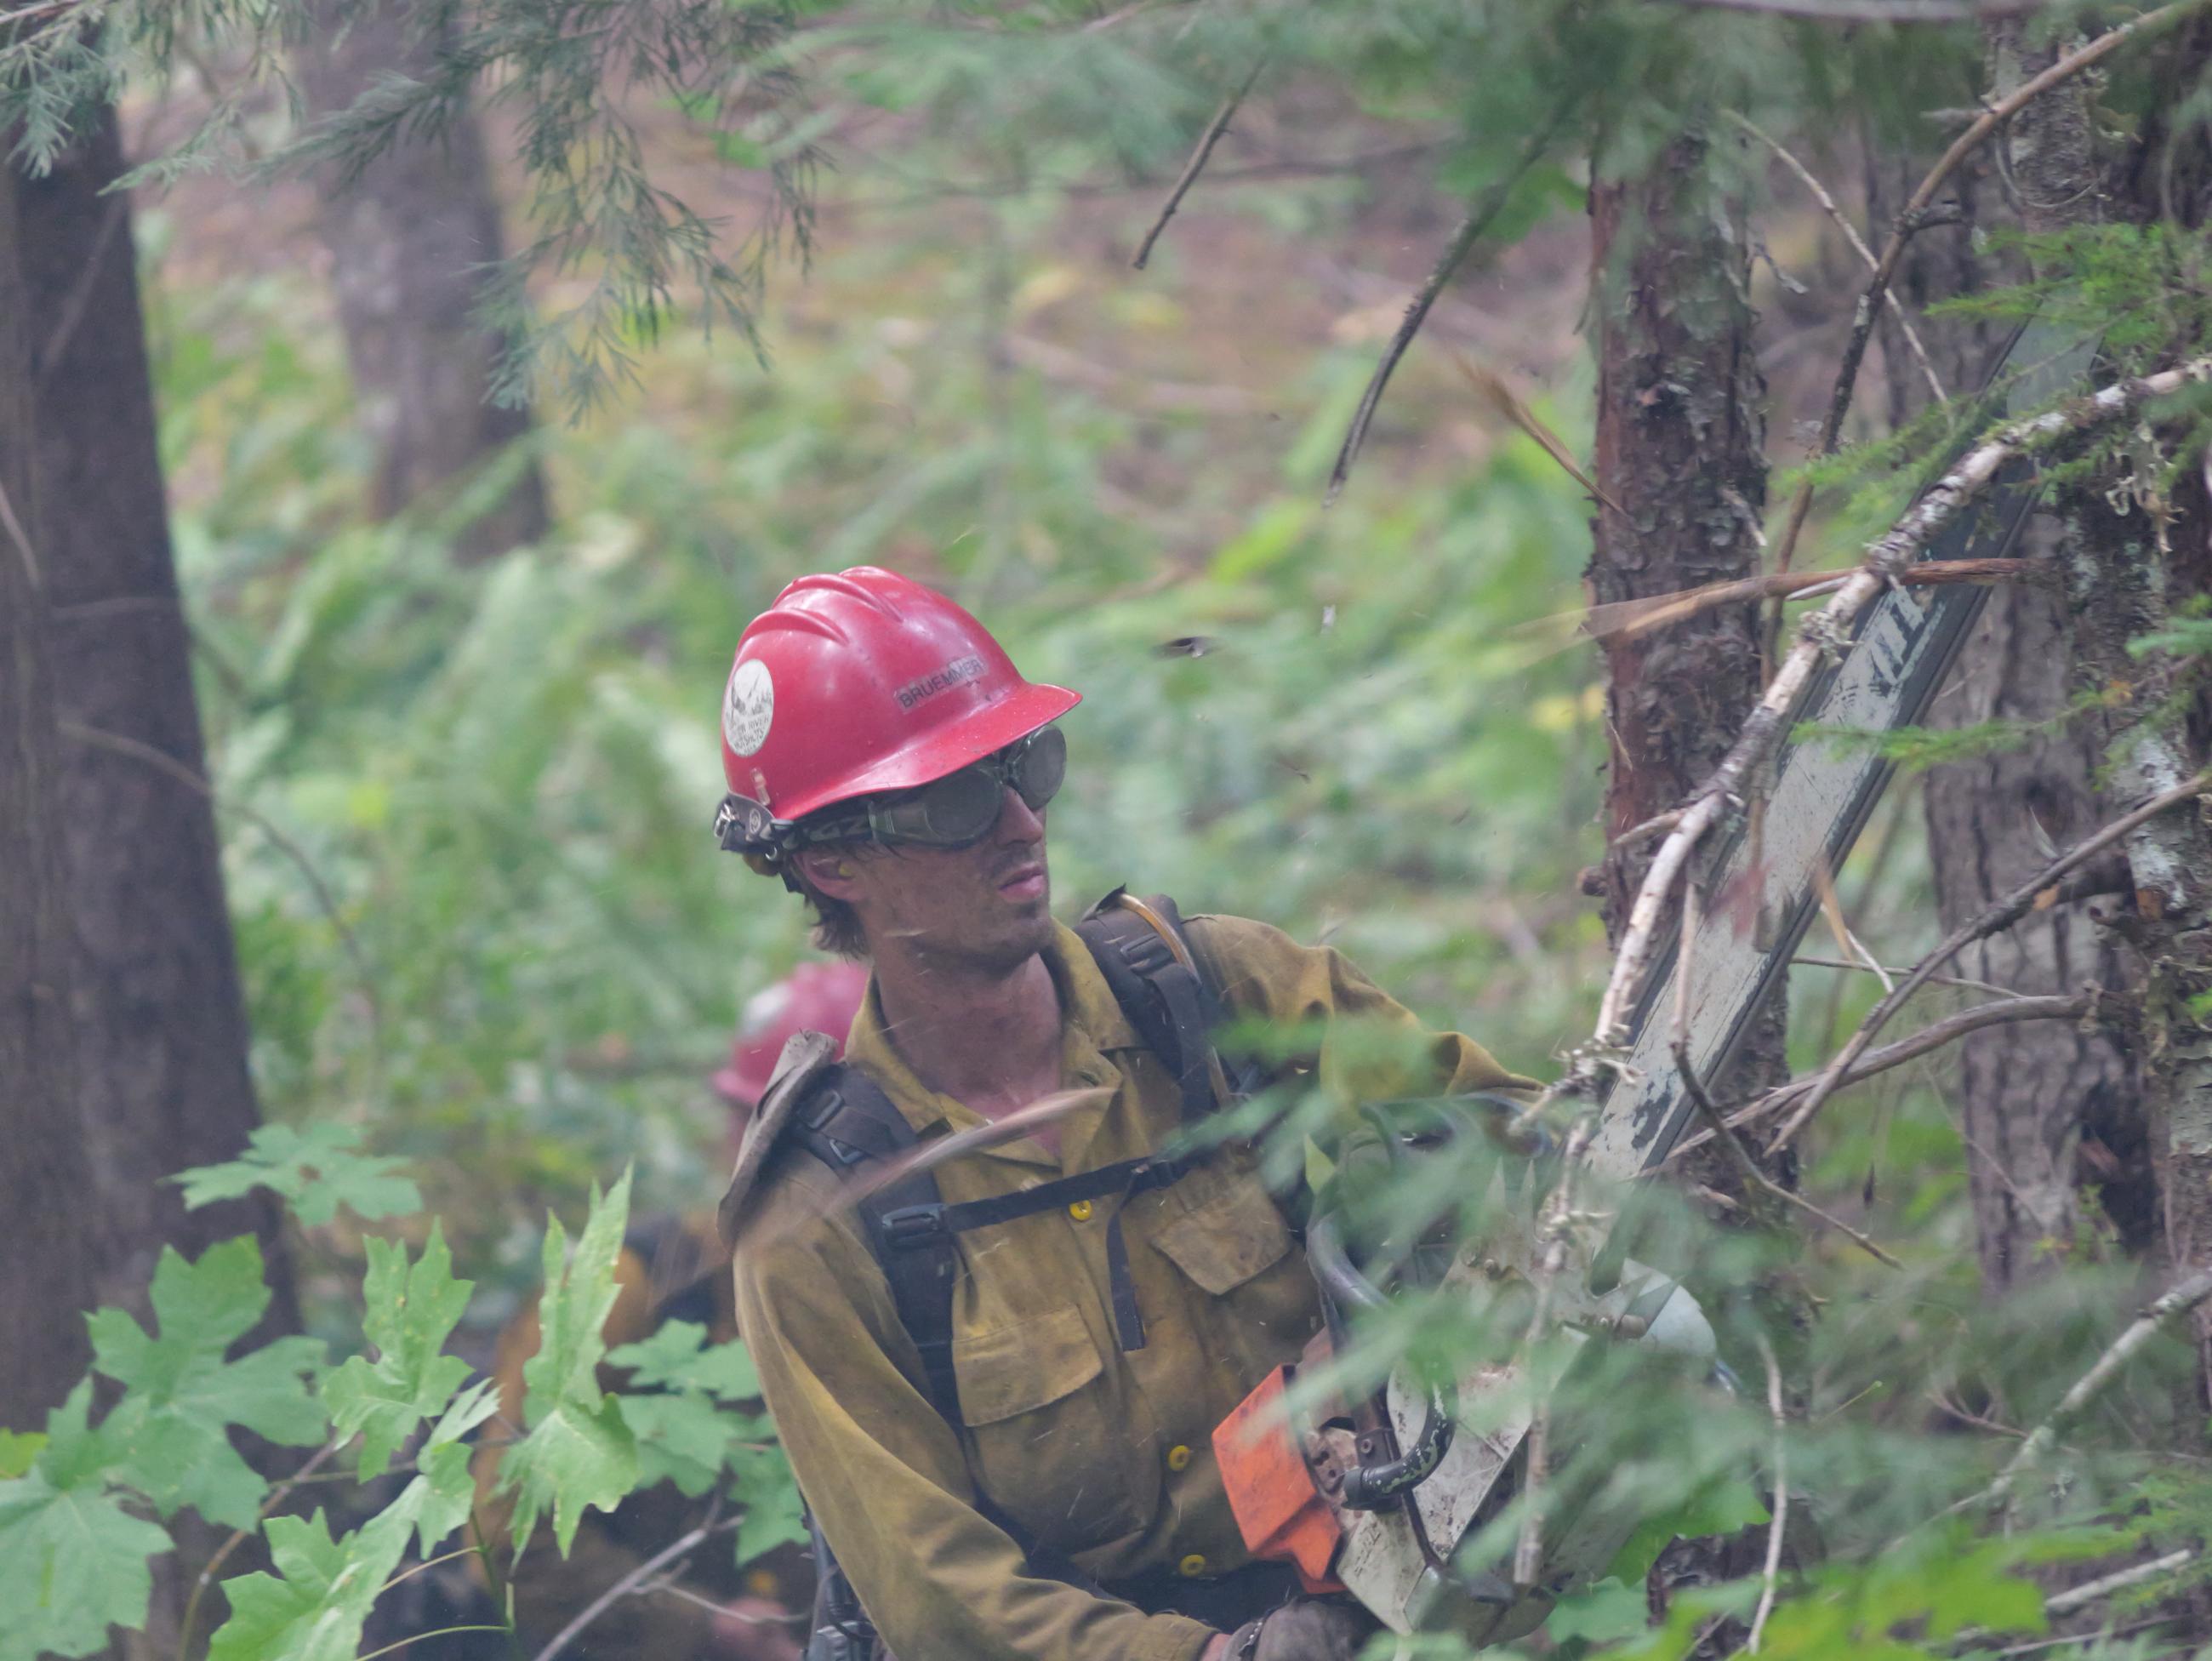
(1103, 1454)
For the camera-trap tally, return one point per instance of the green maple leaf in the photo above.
(72, 1561)
(580, 1452)
(181, 1393)
(313, 1608)
(682, 1435)
(410, 1315)
(19, 1451)
(315, 1170)
(444, 1491)
(775, 1515)
(676, 1357)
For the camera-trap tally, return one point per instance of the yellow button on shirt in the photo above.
(1080, 1211)
(1061, 1426)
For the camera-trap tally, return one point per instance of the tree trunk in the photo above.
(43, 1183)
(407, 236)
(2044, 1108)
(161, 1029)
(1680, 451)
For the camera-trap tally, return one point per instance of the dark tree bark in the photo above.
(2046, 1109)
(1681, 432)
(406, 236)
(43, 1182)
(161, 1028)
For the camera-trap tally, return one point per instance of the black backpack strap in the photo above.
(1166, 996)
(846, 1121)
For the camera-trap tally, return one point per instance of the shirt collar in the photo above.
(1092, 1026)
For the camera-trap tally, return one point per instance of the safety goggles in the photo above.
(954, 812)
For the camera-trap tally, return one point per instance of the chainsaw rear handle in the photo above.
(1373, 1487)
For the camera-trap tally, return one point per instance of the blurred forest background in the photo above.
(454, 664)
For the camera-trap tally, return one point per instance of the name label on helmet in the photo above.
(748, 707)
(955, 673)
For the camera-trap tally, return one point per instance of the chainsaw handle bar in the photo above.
(1372, 1487)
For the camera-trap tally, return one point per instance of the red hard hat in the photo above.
(864, 681)
(815, 997)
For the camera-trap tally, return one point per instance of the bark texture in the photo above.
(161, 1029)
(1680, 451)
(43, 1347)
(2044, 1108)
(407, 236)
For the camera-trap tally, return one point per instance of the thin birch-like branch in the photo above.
(1829, 630)
(2089, 1591)
(1909, 219)
(1207, 141)
(2177, 1301)
(1630, 618)
(1829, 206)
(2007, 911)
(1770, 1577)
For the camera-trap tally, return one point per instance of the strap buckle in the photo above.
(912, 1225)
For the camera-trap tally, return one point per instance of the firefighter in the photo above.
(671, 1268)
(1037, 1481)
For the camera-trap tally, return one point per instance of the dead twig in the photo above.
(2007, 911)
(1464, 238)
(1657, 825)
(1933, 1036)
(2177, 1301)
(1913, 216)
(1828, 205)
(1495, 390)
(1771, 1576)
(1887, 975)
(1629, 619)
(1207, 141)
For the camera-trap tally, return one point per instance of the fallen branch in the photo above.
(1933, 1036)
(1911, 217)
(1858, 245)
(2007, 911)
(1829, 630)
(1628, 618)
(1207, 141)
(2176, 1302)
(1464, 238)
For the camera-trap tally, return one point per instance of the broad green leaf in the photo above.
(676, 1357)
(1720, 1507)
(72, 1561)
(439, 1499)
(314, 1170)
(180, 1395)
(313, 1608)
(17, 1451)
(684, 1438)
(774, 1514)
(1607, 1611)
(410, 1313)
(578, 1452)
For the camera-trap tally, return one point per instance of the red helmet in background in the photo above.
(867, 681)
(815, 997)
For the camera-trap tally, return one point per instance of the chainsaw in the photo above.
(1376, 1496)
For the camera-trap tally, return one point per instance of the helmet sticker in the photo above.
(748, 707)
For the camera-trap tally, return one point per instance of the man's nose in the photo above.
(1017, 821)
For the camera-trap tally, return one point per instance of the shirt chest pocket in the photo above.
(1030, 1397)
(1234, 1246)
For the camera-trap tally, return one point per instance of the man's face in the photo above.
(986, 906)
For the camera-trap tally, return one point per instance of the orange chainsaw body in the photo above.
(1272, 1492)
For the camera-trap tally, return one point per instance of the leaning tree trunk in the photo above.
(43, 1184)
(1681, 426)
(2046, 1107)
(161, 1028)
(409, 236)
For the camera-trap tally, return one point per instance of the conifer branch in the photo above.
(1207, 141)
